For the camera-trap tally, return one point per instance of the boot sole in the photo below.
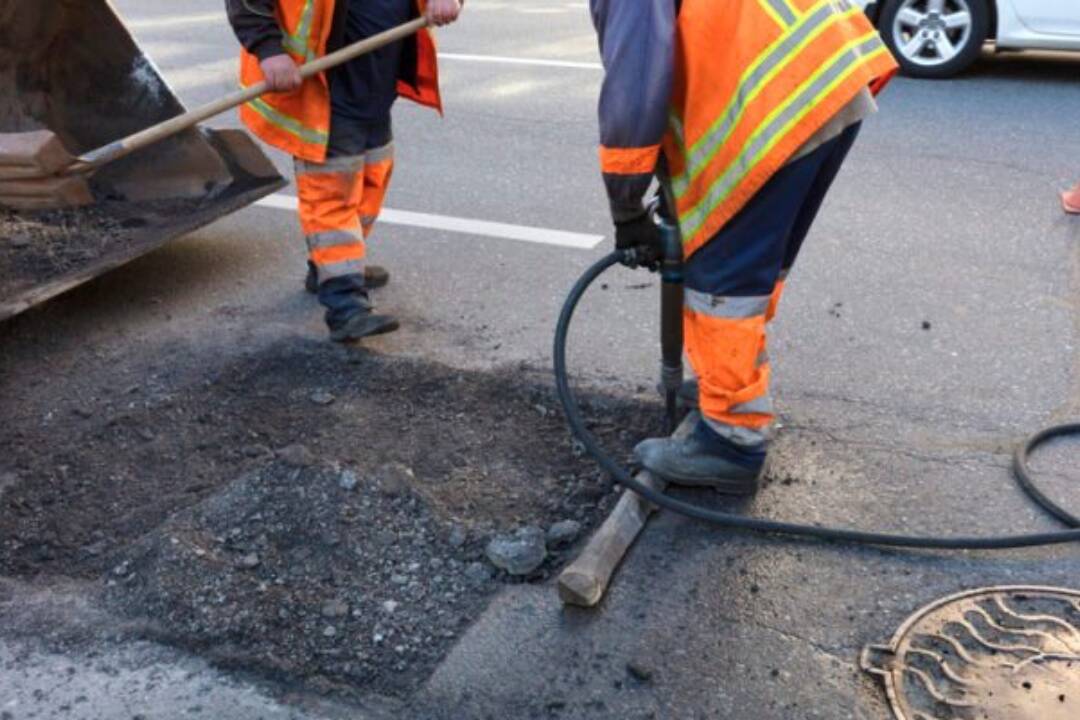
(381, 327)
(724, 487)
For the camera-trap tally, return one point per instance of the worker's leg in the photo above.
(732, 285)
(378, 169)
(833, 155)
(330, 195)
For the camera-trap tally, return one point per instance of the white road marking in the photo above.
(504, 60)
(504, 231)
(205, 73)
(213, 18)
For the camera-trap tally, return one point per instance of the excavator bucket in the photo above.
(72, 68)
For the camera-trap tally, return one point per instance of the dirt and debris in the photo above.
(336, 546)
(35, 247)
(39, 247)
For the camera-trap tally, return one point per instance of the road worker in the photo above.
(1070, 200)
(337, 128)
(745, 110)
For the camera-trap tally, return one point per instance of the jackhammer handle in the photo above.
(120, 148)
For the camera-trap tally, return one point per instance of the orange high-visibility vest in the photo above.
(299, 122)
(753, 81)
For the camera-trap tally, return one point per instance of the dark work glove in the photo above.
(641, 239)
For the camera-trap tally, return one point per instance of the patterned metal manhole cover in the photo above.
(1004, 653)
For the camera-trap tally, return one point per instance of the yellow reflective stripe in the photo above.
(845, 61)
(754, 80)
(297, 48)
(288, 124)
(300, 41)
(780, 11)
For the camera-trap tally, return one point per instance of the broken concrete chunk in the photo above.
(321, 397)
(348, 480)
(519, 553)
(563, 532)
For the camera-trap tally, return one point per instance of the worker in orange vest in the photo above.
(745, 111)
(1070, 200)
(337, 128)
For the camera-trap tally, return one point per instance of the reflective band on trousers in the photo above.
(758, 406)
(380, 154)
(741, 435)
(756, 77)
(339, 269)
(332, 238)
(780, 10)
(777, 125)
(288, 124)
(726, 307)
(344, 164)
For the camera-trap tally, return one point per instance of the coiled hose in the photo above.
(739, 522)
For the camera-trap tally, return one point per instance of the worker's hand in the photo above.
(443, 12)
(640, 238)
(281, 73)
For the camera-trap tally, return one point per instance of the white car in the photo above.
(938, 38)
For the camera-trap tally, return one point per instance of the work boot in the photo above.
(349, 311)
(704, 459)
(375, 276)
(363, 324)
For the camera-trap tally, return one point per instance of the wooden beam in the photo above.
(584, 581)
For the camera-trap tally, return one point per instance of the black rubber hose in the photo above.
(1023, 473)
(740, 522)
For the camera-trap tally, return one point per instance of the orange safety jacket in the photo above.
(728, 91)
(299, 122)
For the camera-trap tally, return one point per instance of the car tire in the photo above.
(934, 44)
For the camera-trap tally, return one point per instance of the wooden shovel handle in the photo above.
(116, 150)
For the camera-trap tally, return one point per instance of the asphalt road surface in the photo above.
(932, 321)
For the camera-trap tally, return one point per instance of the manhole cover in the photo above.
(1005, 653)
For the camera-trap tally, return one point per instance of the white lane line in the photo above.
(504, 231)
(150, 23)
(501, 59)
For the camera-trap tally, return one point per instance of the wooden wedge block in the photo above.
(584, 581)
(39, 151)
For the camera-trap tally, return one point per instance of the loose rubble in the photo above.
(339, 547)
(519, 553)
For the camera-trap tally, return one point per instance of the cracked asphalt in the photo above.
(946, 214)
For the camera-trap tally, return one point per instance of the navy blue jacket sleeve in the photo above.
(637, 45)
(256, 26)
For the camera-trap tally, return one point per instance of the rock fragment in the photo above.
(519, 553)
(563, 532)
(296, 455)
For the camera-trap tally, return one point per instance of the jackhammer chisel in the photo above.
(671, 312)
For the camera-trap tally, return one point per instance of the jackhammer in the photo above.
(664, 256)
